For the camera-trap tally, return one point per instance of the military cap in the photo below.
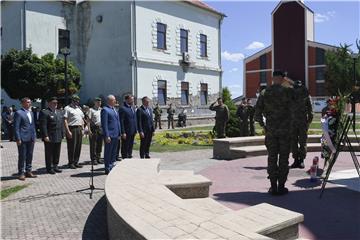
(98, 99)
(75, 97)
(52, 99)
(278, 73)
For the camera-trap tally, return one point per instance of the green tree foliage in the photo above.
(340, 69)
(232, 127)
(24, 74)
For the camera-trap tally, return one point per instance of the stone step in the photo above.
(260, 150)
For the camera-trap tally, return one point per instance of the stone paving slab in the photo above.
(52, 209)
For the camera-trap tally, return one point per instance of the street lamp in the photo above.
(66, 52)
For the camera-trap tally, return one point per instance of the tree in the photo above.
(24, 74)
(339, 71)
(232, 127)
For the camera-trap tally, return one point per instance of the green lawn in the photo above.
(202, 128)
(11, 190)
(173, 148)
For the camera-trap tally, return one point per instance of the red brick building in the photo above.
(293, 50)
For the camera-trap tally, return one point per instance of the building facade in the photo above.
(293, 50)
(166, 50)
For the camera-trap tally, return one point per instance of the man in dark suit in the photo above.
(111, 129)
(127, 115)
(145, 127)
(52, 133)
(25, 136)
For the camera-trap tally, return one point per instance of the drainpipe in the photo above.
(23, 27)
(219, 53)
(134, 49)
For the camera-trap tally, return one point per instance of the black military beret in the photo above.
(278, 73)
(52, 99)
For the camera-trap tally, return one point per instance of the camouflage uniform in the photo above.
(170, 117)
(242, 114)
(251, 112)
(157, 113)
(221, 118)
(303, 116)
(275, 104)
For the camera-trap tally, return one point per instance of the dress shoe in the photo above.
(22, 177)
(147, 156)
(51, 171)
(78, 165)
(30, 175)
(107, 172)
(56, 169)
(72, 166)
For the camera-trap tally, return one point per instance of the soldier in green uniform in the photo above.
(221, 118)
(157, 113)
(251, 112)
(275, 104)
(170, 117)
(242, 114)
(302, 118)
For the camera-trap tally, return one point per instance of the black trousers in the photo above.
(96, 140)
(74, 145)
(52, 154)
(118, 148)
(127, 146)
(145, 145)
(171, 122)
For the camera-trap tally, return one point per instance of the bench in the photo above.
(242, 147)
(143, 203)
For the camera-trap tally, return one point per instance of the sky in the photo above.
(247, 29)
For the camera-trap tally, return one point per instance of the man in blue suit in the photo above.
(127, 115)
(110, 124)
(145, 127)
(25, 135)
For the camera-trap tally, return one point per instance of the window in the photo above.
(320, 56)
(183, 40)
(184, 93)
(203, 45)
(162, 92)
(161, 36)
(320, 73)
(263, 61)
(64, 39)
(263, 78)
(203, 94)
(320, 89)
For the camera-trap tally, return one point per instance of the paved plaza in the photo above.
(50, 208)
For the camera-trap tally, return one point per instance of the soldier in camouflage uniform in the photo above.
(243, 116)
(157, 113)
(251, 112)
(221, 118)
(275, 104)
(302, 118)
(170, 117)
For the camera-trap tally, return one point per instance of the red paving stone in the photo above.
(336, 216)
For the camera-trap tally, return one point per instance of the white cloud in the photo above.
(319, 18)
(255, 45)
(233, 70)
(233, 57)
